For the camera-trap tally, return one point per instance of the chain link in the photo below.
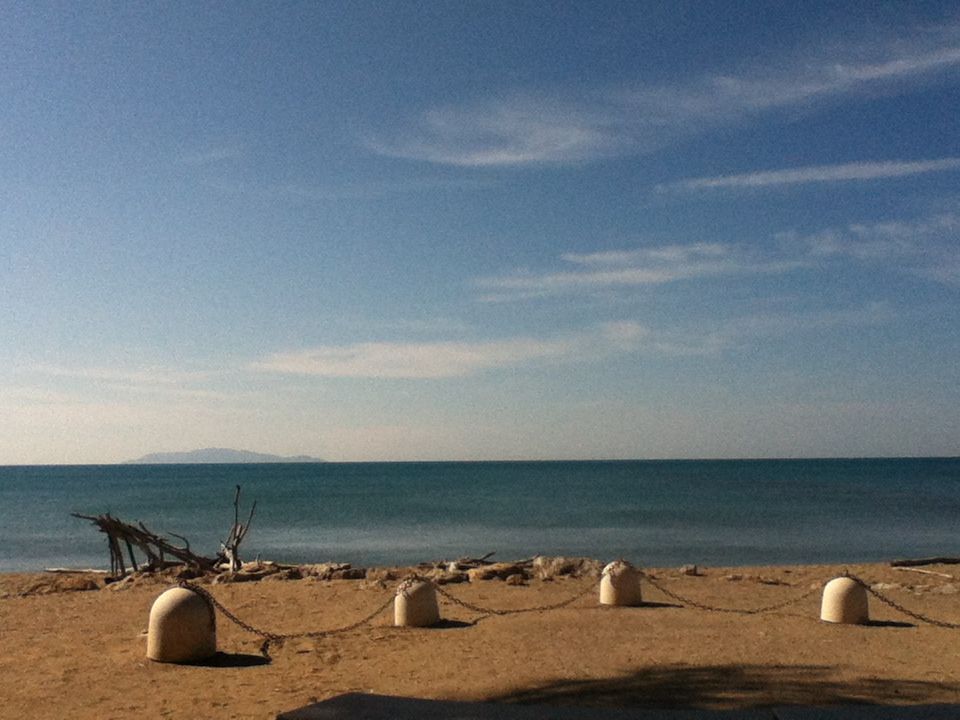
(494, 611)
(898, 607)
(270, 638)
(739, 611)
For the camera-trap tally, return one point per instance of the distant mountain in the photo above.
(218, 455)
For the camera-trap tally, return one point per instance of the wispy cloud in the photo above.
(444, 359)
(747, 330)
(630, 268)
(928, 247)
(90, 426)
(816, 79)
(527, 128)
(677, 254)
(411, 360)
(818, 174)
(925, 246)
(172, 385)
(510, 132)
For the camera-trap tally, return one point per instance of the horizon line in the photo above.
(797, 458)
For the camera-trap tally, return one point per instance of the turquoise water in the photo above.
(651, 512)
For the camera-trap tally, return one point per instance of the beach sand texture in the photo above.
(81, 654)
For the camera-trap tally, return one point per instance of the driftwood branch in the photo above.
(152, 545)
(230, 548)
(186, 543)
(925, 572)
(477, 562)
(156, 548)
(926, 561)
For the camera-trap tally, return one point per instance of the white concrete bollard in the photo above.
(182, 628)
(620, 585)
(844, 601)
(416, 604)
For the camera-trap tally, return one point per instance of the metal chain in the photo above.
(739, 611)
(270, 638)
(900, 608)
(494, 611)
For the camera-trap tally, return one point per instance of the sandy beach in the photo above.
(73, 647)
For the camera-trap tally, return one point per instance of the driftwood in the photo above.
(469, 563)
(925, 572)
(926, 561)
(229, 549)
(122, 535)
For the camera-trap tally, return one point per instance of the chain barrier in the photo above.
(494, 611)
(270, 638)
(791, 601)
(898, 607)
(739, 611)
(277, 639)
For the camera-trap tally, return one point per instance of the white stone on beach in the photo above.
(182, 628)
(844, 601)
(416, 604)
(620, 585)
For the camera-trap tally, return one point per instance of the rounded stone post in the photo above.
(844, 601)
(182, 628)
(415, 604)
(620, 585)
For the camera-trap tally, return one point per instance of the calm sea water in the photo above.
(653, 513)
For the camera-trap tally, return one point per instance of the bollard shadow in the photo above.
(646, 604)
(729, 686)
(639, 606)
(452, 624)
(889, 623)
(233, 660)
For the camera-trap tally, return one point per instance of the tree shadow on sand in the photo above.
(732, 686)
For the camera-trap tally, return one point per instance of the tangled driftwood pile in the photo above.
(159, 552)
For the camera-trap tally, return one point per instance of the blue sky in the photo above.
(397, 231)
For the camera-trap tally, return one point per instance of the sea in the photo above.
(653, 513)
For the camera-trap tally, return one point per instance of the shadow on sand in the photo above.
(732, 686)
(233, 660)
(445, 624)
(888, 623)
